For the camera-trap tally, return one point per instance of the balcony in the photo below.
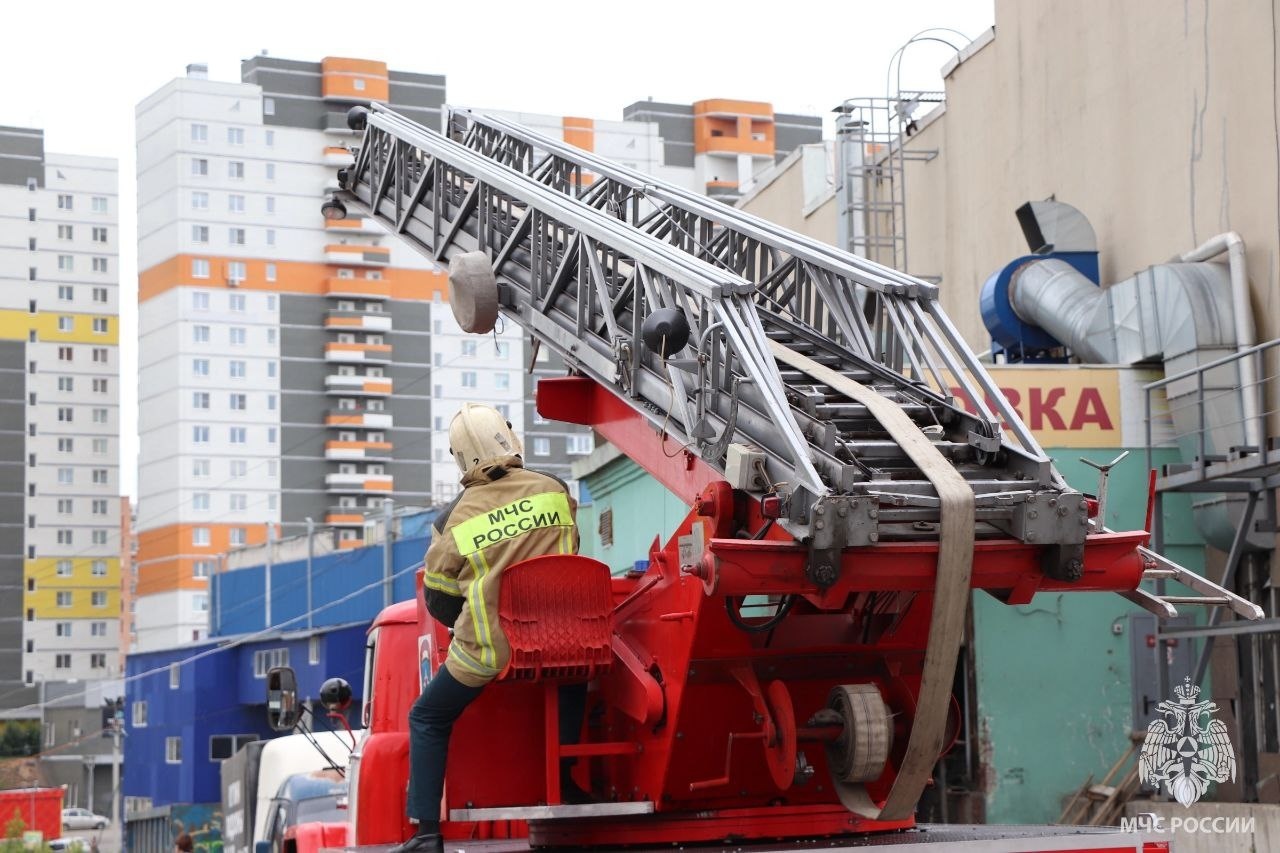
(359, 483)
(347, 451)
(358, 288)
(357, 353)
(345, 517)
(341, 418)
(338, 155)
(357, 321)
(353, 225)
(358, 386)
(356, 254)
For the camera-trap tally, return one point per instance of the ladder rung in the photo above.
(1155, 573)
(1195, 599)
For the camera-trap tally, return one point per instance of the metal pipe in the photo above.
(311, 552)
(1231, 243)
(388, 509)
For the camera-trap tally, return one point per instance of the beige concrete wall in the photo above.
(1157, 120)
(782, 198)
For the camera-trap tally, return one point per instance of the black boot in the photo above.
(430, 842)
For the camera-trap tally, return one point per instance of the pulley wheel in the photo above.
(860, 753)
(781, 753)
(473, 292)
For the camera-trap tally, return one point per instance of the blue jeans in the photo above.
(431, 723)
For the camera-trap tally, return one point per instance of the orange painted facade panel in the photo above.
(383, 485)
(354, 79)
(357, 445)
(344, 519)
(356, 249)
(344, 420)
(166, 554)
(344, 544)
(378, 387)
(580, 132)
(337, 347)
(290, 277)
(721, 125)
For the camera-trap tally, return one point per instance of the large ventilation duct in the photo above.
(1180, 314)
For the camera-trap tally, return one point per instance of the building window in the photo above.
(200, 537)
(501, 381)
(239, 536)
(66, 354)
(99, 598)
(65, 476)
(99, 234)
(239, 502)
(271, 170)
(99, 506)
(99, 537)
(235, 136)
(99, 476)
(65, 202)
(271, 204)
(200, 334)
(271, 369)
(468, 379)
(66, 414)
(468, 348)
(99, 204)
(268, 106)
(175, 676)
(64, 568)
(200, 298)
(200, 269)
(99, 416)
(503, 349)
(66, 232)
(235, 236)
(61, 661)
(271, 237)
(200, 501)
(235, 272)
(65, 507)
(271, 435)
(138, 709)
(65, 383)
(201, 568)
(239, 468)
(235, 203)
(199, 166)
(237, 336)
(271, 271)
(66, 263)
(66, 324)
(200, 233)
(99, 325)
(236, 301)
(99, 386)
(199, 133)
(200, 602)
(239, 402)
(199, 200)
(271, 137)
(200, 367)
(63, 629)
(266, 659)
(235, 170)
(97, 629)
(100, 447)
(173, 750)
(97, 660)
(98, 568)
(63, 598)
(237, 369)
(200, 434)
(100, 293)
(222, 747)
(237, 435)
(200, 467)
(542, 447)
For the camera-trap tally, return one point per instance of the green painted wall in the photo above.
(642, 509)
(1053, 686)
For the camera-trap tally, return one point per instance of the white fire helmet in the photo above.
(479, 434)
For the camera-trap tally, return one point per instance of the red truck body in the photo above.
(39, 808)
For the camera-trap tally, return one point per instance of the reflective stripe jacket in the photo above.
(504, 514)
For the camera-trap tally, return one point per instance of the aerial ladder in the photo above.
(814, 410)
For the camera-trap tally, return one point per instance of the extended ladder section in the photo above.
(581, 267)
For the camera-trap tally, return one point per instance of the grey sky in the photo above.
(76, 69)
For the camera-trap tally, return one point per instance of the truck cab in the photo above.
(317, 799)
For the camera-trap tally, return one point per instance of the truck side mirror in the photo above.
(283, 710)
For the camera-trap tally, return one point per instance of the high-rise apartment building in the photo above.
(295, 368)
(59, 425)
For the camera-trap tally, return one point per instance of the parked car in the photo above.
(83, 819)
(68, 845)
